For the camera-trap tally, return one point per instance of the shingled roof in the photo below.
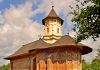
(51, 15)
(66, 41)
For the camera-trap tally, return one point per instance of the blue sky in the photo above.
(6, 3)
(21, 23)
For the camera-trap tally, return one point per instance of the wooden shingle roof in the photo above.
(66, 41)
(52, 15)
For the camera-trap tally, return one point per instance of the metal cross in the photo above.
(52, 3)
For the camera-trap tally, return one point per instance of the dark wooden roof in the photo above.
(52, 15)
(66, 41)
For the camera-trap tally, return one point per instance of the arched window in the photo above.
(47, 29)
(57, 30)
(54, 20)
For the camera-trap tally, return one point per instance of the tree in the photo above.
(85, 65)
(87, 19)
(95, 65)
(5, 67)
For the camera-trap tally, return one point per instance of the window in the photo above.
(51, 20)
(58, 30)
(47, 29)
(47, 23)
(54, 20)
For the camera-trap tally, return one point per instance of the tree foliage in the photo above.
(87, 19)
(95, 65)
(85, 65)
(5, 67)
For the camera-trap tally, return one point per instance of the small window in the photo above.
(51, 20)
(54, 20)
(46, 23)
(47, 29)
(58, 30)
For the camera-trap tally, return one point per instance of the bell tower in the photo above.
(52, 30)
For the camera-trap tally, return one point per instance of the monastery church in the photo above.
(52, 52)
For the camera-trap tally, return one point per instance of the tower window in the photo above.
(58, 30)
(51, 20)
(47, 29)
(54, 20)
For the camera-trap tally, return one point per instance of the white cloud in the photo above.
(16, 29)
(1, 1)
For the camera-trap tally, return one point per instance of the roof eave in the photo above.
(83, 49)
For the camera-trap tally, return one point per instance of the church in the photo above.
(52, 52)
